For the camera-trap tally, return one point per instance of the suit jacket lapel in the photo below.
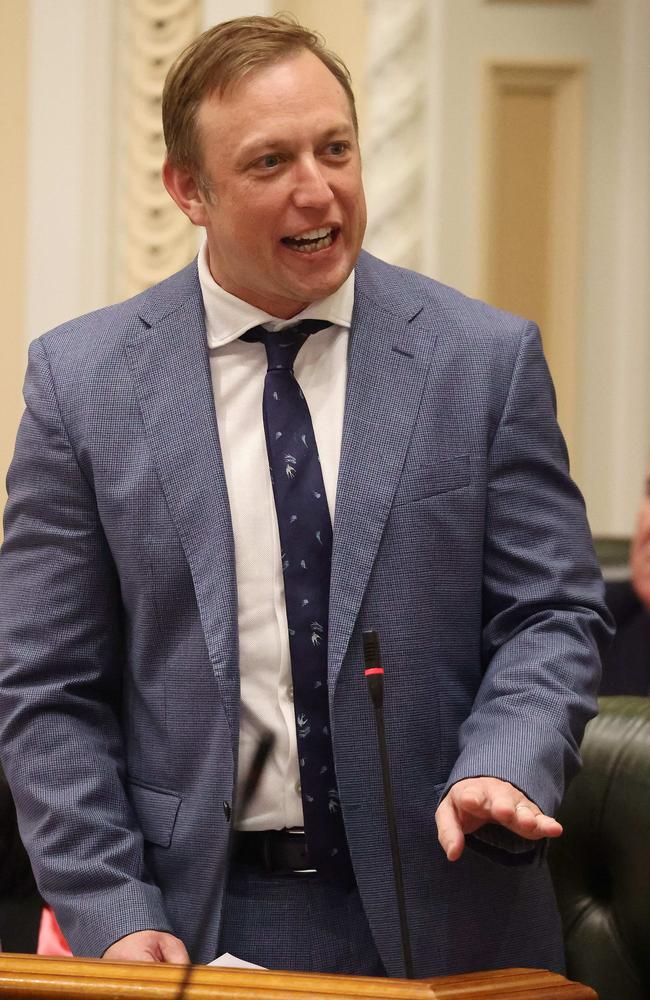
(387, 369)
(169, 362)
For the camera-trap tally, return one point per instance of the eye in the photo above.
(338, 148)
(268, 162)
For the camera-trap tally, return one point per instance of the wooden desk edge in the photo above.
(31, 977)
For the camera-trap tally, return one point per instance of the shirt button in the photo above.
(290, 694)
(298, 787)
(227, 810)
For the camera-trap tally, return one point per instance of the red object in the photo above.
(50, 938)
(373, 670)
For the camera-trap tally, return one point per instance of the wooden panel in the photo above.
(14, 26)
(343, 25)
(533, 210)
(34, 978)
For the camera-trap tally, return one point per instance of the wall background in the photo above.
(420, 69)
(14, 28)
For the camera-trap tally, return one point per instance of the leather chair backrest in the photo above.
(601, 865)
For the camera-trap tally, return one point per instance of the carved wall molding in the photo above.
(395, 133)
(152, 237)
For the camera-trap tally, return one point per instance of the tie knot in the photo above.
(282, 347)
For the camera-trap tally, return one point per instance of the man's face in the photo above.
(640, 554)
(285, 214)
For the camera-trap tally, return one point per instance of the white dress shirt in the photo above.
(238, 370)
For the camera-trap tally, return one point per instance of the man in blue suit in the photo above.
(148, 637)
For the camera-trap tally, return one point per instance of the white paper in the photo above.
(232, 962)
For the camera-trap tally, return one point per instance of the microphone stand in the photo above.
(374, 673)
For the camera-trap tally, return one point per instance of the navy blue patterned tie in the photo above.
(306, 543)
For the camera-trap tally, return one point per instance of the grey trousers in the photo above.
(297, 923)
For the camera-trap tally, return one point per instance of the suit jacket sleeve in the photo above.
(542, 610)
(61, 662)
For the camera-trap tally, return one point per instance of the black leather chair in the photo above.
(601, 866)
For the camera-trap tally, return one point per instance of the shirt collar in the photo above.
(227, 317)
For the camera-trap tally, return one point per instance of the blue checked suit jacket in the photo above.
(458, 535)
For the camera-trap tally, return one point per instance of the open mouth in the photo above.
(313, 241)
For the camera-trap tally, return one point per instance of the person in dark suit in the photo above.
(180, 575)
(626, 665)
(20, 903)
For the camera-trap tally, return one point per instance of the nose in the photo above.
(311, 188)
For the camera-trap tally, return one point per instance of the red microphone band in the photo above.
(373, 670)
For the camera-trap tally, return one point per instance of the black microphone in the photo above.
(262, 752)
(264, 748)
(374, 673)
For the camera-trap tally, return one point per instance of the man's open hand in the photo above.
(473, 802)
(148, 946)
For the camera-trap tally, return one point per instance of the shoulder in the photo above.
(100, 333)
(429, 303)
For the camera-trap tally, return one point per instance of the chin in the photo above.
(325, 284)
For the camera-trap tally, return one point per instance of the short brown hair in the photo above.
(222, 56)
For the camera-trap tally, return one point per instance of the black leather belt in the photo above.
(281, 852)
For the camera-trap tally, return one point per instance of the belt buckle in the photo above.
(300, 871)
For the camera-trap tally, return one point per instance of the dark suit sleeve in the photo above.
(543, 612)
(61, 661)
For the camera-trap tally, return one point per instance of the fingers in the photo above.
(450, 832)
(173, 950)
(473, 802)
(148, 946)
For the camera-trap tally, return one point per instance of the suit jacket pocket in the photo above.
(156, 811)
(427, 480)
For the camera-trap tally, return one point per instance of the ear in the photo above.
(183, 188)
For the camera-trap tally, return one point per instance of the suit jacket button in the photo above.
(227, 810)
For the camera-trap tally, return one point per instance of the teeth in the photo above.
(314, 234)
(316, 245)
(316, 239)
